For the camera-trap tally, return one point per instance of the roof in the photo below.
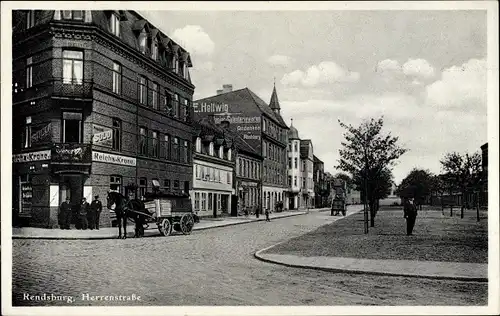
(317, 160)
(304, 147)
(274, 104)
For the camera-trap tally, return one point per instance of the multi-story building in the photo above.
(262, 127)
(294, 171)
(213, 166)
(307, 173)
(101, 100)
(320, 191)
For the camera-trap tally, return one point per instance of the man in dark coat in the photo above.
(65, 213)
(82, 214)
(95, 211)
(410, 213)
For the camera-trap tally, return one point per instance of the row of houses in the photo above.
(104, 100)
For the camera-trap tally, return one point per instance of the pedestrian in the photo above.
(267, 215)
(82, 214)
(95, 210)
(410, 213)
(65, 214)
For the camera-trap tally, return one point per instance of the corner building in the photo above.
(101, 100)
(261, 126)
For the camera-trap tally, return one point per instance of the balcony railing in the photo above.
(55, 87)
(71, 153)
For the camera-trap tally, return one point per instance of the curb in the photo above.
(262, 257)
(152, 235)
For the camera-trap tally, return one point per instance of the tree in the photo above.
(367, 153)
(464, 173)
(418, 184)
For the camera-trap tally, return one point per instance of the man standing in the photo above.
(410, 213)
(65, 212)
(82, 214)
(95, 210)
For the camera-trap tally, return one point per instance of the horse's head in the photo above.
(113, 200)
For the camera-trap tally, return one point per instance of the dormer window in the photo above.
(229, 154)
(30, 19)
(181, 68)
(198, 145)
(114, 26)
(175, 63)
(211, 149)
(73, 15)
(221, 152)
(142, 41)
(154, 49)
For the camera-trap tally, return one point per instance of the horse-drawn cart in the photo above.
(171, 213)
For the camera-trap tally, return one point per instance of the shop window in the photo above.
(154, 101)
(143, 90)
(117, 78)
(166, 185)
(155, 143)
(25, 194)
(197, 201)
(219, 200)
(203, 201)
(143, 141)
(117, 132)
(142, 41)
(114, 24)
(72, 67)
(29, 72)
(143, 187)
(72, 127)
(115, 183)
(27, 132)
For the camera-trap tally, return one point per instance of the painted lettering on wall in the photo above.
(33, 156)
(114, 159)
(202, 107)
(41, 133)
(238, 119)
(102, 136)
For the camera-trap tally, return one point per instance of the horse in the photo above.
(127, 209)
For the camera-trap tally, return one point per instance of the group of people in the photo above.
(87, 215)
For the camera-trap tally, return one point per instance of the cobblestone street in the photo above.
(212, 267)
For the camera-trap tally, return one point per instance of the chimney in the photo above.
(219, 91)
(227, 88)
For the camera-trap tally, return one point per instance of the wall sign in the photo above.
(204, 107)
(33, 156)
(41, 134)
(102, 136)
(114, 159)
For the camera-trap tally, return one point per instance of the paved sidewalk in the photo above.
(112, 232)
(428, 269)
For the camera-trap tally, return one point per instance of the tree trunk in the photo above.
(477, 206)
(372, 213)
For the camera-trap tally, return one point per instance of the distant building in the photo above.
(307, 173)
(320, 192)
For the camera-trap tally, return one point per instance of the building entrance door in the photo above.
(291, 205)
(71, 186)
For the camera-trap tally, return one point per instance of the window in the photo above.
(210, 202)
(177, 111)
(115, 183)
(289, 163)
(72, 67)
(29, 72)
(143, 90)
(166, 147)
(175, 63)
(295, 180)
(186, 187)
(217, 176)
(185, 107)
(114, 24)
(175, 149)
(73, 15)
(117, 127)
(186, 152)
(264, 125)
(143, 187)
(154, 49)
(168, 103)
(197, 171)
(228, 177)
(212, 174)
(211, 149)
(117, 78)
(303, 166)
(30, 19)
(156, 144)
(198, 144)
(181, 68)
(295, 163)
(72, 127)
(229, 154)
(197, 201)
(143, 140)
(296, 147)
(155, 96)
(221, 152)
(166, 185)
(303, 182)
(27, 132)
(176, 184)
(203, 201)
(240, 173)
(142, 41)
(290, 180)
(264, 150)
(219, 199)
(289, 147)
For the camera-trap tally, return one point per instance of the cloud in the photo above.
(279, 60)
(460, 88)
(418, 68)
(388, 65)
(195, 40)
(205, 66)
(326, 72)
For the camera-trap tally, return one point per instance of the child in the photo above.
(267, 215)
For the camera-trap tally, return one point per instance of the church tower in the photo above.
(274, 104)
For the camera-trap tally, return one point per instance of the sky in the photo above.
(423, 71)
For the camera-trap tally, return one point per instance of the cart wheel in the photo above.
(186, 223)
(165, 227)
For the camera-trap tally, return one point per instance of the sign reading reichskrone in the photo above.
(115, 159)
(33, 156)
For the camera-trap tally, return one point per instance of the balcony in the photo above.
(71, 158)
(55, 87)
